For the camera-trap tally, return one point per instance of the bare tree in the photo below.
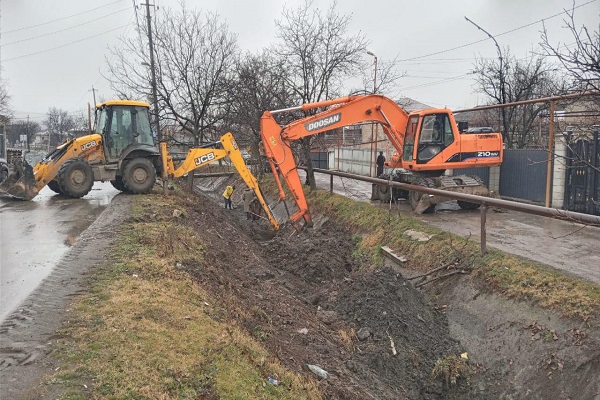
(20, 128)
(259, 85)
(58, 122)
(581, 59)
(4, 101)
(524, 79)
(195, 55)
(318, 53)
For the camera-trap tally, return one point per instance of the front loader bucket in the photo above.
(21, 182)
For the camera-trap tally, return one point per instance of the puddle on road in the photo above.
(36, 234)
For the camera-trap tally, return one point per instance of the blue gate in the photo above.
(523, 174)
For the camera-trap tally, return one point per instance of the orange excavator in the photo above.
(427, 143)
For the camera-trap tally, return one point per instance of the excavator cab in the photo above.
(124, 126)
(434, 137)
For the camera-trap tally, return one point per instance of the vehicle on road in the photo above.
(120, 150)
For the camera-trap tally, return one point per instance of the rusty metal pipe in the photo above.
(486, 201)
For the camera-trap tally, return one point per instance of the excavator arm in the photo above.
(199, 157)
(344, 111)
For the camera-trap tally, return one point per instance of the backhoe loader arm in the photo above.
(345, 111)
(199, 157)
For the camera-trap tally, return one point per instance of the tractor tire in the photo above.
(75, 178)
(55, 187)
(139, 176)
(414, 196)
(118, 184)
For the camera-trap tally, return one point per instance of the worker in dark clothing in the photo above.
(380, 162)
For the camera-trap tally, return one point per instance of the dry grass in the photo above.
(147, 331)
(500, 272)
(451, 368)
(347, 338)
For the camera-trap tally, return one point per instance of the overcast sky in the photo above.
(52, 52)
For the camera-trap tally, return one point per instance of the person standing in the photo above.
(227, 196)
(380, 163)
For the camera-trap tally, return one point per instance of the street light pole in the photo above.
(373, 142)
(502, 80)
(375, 74)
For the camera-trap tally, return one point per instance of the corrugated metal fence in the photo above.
(523, 174)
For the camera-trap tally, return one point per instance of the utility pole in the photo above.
(153, 71)
(94, 93)
(27, 132)
(502, 80)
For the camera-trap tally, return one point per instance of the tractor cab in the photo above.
(124, 126)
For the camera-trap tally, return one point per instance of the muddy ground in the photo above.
(312, 281)
(304, 297)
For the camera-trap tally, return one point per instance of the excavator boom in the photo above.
(344, 111)
(199, 157)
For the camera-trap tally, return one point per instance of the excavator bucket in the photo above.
(21, 182)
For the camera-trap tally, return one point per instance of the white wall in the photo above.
(352, 160)
(560, 172)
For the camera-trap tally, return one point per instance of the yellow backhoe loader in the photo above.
(121, 150)
(208, 153)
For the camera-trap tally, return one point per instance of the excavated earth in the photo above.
(311, 283)
(303, 294)
(304, 297)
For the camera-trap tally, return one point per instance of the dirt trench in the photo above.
(305, 298)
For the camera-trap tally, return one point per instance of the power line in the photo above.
(66, 44)
(500, 34)
(454, 78)
(60, 19)
(65, 29)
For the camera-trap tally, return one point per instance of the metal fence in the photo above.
(320, 159)
(523, 174)
(582, 192)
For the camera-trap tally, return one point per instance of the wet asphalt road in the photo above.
(563, 245)
(35, 234)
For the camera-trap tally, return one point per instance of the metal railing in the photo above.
(485, 202)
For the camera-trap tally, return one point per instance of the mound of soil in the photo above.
(305, 299)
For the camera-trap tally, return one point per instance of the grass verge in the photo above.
(145, 330)
(503, 273)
